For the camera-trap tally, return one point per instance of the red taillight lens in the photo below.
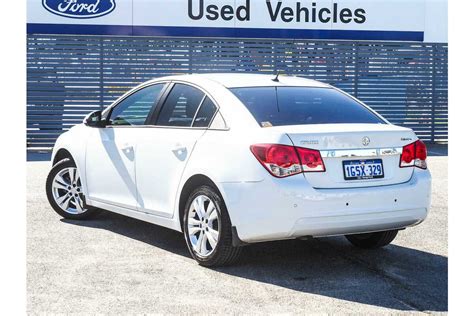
(310, 160)
(414, 154)
(283, 161)
(408, 156)
(282, 156)
(280, 160)
(420, 149)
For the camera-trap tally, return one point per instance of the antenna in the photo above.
(276, 78)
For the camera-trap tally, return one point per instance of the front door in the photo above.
(111, 151)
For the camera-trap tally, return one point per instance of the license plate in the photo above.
(363, 169)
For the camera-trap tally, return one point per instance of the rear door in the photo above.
(110, 156)
(164, 150)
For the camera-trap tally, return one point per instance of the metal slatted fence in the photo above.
(70, 76)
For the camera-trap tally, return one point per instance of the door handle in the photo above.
(126, 147)
(179, 147)
(180, 151)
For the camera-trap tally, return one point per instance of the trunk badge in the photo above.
(309, 142)
(365, 141)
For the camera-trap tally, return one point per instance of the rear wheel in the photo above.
(64, 191)
(373, 240)
(208, 230)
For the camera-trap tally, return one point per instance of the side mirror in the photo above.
(94, 119)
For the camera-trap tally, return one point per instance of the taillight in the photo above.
(280, 160)
(414, 155)
(310, 160)
(283, 160)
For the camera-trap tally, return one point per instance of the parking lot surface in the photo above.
(117, 265)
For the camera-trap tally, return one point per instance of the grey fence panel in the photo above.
(70, 76)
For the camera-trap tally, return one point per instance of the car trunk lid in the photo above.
(354, 144)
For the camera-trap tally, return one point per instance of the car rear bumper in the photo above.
(288, 208)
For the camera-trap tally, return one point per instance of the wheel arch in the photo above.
(61, 154)
(190, 184)
(72, 145)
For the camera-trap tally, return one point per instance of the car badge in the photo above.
(365, 141)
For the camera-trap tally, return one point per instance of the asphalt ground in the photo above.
(117, 265)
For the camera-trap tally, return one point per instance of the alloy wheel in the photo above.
(67, 191)
(203, 225)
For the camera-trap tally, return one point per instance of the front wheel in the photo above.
(64, 191)
(373, 240)
(208, 230)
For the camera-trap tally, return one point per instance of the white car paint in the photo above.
(140, 171)
(110, 166)
(164, 159)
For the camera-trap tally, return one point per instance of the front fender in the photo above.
(75, 142)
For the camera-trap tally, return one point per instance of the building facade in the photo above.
(83, 54)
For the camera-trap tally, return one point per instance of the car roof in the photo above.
(241, 80)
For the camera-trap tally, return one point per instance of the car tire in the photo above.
(205, 214)
(63, 192)
(373, 240)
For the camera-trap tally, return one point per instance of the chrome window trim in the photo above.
(168, 127)
(350, 153)
(199, 107)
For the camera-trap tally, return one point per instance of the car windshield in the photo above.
(276, 106)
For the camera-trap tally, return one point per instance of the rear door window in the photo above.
(205, 114)
(275, 106)
(180, 106)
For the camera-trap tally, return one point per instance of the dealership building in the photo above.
(83, 54)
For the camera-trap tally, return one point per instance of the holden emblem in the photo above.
(365, 141)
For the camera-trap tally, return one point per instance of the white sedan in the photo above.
(233, 159)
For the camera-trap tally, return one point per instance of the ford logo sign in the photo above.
(79, 9)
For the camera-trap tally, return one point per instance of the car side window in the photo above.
(134, 109)
(180, 106)
(205, 114)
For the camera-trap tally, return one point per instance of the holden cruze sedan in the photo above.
(234, 159)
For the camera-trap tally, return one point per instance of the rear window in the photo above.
(275, 106)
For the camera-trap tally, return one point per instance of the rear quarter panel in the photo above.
(224, 156)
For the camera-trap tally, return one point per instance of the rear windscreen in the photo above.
(275, 106)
